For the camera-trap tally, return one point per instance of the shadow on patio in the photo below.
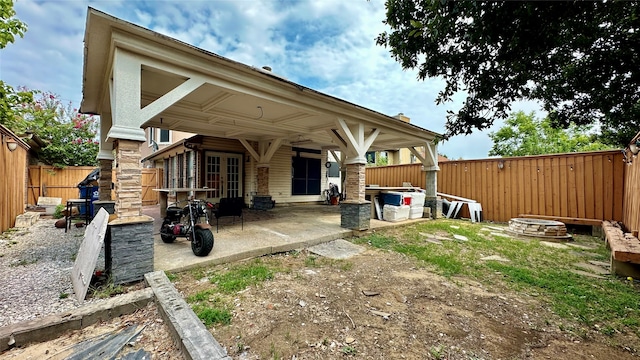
(281, 229)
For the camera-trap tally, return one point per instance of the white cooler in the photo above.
(395, 213)
(416, 212)
(417, 205)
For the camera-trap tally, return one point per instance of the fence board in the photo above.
(13, 165)
(63, 183)
(632, 196)
(567, 185)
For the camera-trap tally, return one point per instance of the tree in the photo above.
(9, 28)
(71, 136)
(523, 134)
(9, 25)
(579, 59)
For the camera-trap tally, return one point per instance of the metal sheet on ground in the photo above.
(337, 249)
(88, 253)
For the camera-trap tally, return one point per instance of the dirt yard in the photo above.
(381, 305)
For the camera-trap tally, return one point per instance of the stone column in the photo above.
(263, 179)
(105, 180)
(355, 182)
(431, 199)
(355, 211)
(262, 200)
(128, 179)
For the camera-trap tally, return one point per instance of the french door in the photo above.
(223, 174)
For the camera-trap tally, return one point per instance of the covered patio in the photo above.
(136, 79)
(281, 229)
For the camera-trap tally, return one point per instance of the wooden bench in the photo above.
(625, 250)
(229, 207)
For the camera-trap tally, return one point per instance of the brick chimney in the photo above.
(401, 116)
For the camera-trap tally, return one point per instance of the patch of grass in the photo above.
(349, 350)
(437, 352)
(198, 273)
(275, 355)
(242, 276)
(106, 290)
(63, 295)
(171, 276)
(310, 261)
(377, 240)
(612, 304)
(210, 309)
(212, 316)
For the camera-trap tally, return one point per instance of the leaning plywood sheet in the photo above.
(88, 254)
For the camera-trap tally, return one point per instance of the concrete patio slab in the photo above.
(280, 229)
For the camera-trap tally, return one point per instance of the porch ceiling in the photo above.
(236, 101)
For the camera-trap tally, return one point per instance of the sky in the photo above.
(326, 45)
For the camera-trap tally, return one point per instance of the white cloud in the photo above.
(326, 45)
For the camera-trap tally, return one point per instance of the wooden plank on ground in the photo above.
(624, 246)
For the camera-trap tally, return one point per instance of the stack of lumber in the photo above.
(625, 247)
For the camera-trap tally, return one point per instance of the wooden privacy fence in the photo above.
(62, 183)
(632, 196)
(396, 175)
(576, 185)
(13, 166)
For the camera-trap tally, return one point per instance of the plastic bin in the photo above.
(395, 213)
(392, 198)
(88, 192)
(416, 212)
(417, 199)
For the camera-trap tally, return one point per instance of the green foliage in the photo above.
(349, 350)
(57, 214)
(9, 25)
(577, 58)
(240, 277)
(209, 308)
(525, 135)
(11, 101)
(70, 136)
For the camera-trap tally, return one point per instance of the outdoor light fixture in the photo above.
(12, 145)
(500, 164)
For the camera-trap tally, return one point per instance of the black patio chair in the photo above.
(229, 207)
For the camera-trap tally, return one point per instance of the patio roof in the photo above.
(182, 87)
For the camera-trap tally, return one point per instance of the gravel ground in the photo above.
(35, 271)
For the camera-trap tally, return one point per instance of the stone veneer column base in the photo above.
(129, 249)
(105, 180)
(355, 215)
(435, 203)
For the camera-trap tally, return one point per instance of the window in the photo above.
(371, 157)
(334, 170)
(164, 136)
(180, 170)
(167, 173)
(306, 176)
(152, 136)
(190, 169)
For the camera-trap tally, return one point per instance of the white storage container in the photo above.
(395, 213)
(415, 212)
(417, 199)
